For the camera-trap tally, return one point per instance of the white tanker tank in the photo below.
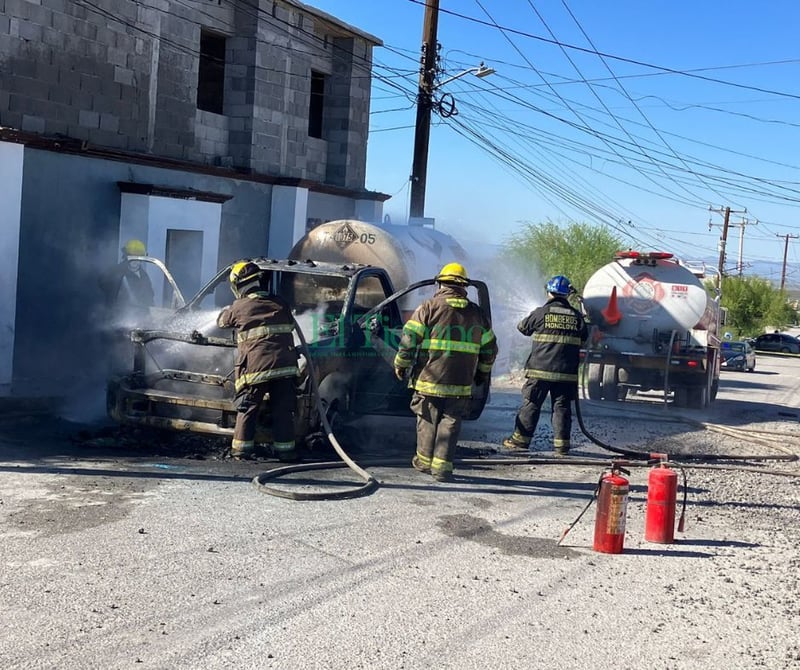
(407, 253)
(654, 327)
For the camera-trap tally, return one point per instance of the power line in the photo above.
(660, 68)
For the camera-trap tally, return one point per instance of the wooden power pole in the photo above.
(786, 239)
(724, 238)
(427, 76)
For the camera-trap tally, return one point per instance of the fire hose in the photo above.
(370, 484)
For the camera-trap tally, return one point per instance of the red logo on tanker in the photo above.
(680, 291)
(643, 293)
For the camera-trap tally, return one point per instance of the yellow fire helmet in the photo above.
(134, 248)
(454, 273)
(243, 272)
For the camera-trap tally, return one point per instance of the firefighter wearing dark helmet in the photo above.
(266, 361)
(446, 346)
(557, 330)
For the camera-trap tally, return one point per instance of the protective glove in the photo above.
(198, 337)
(400, 373)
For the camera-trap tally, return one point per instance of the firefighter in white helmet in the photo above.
(447, 345)
(266, 362)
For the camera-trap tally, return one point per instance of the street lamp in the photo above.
(481, 71)
(419, 165)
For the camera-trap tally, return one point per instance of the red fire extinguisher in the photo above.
(612, 507)
(662, 491)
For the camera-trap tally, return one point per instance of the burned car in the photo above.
(350, 322)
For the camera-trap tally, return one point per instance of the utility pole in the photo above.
(427, 76)
(744, 222)
(723, 240)
(786, 239)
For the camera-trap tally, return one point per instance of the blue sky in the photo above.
(635, 115)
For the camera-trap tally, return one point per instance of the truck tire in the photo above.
(594, 381)
(697, 397)
(681, 397)
(610, 388)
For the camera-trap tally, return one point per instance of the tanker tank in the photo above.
(657, 294)
(407, 253)
(654, 327)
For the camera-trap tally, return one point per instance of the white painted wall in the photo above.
(148, 217)
(287, 222)
(11, 161)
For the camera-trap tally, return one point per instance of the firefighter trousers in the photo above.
(438, 428)
(282, 399)
(534, 393)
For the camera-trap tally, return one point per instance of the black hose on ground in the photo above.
(660, 457)
(370, 483)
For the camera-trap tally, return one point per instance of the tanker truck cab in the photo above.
(655, 327)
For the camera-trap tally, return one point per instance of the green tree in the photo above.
(575, 250)
(754, 305)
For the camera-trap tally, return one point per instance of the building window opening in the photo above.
(316, 106)
(211, 75)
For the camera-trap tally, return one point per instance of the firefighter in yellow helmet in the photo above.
(266, 361)
(127, 285)
(447, 346)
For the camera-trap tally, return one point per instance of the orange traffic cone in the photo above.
(611, 313)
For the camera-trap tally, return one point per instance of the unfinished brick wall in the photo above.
(123, 74)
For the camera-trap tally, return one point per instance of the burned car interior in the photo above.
(350, 319)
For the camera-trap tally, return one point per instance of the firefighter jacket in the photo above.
(264, 341)
(557, 330)
(123, 287)
(445, 342)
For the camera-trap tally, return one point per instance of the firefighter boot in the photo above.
(285, 452)
(442, 469)
(561, 447)
(517, 443)
(243, 450)
(419, 464)
(443, 476)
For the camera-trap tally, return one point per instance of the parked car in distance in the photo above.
(738, 356)
(777, 342)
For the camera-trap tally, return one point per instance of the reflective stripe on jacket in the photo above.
(444, 342)
(557, 330)
(265, 346)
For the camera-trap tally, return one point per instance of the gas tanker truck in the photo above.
(653, 327)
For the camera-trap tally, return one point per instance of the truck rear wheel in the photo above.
(610, 387)
(697, 397)
(594, 381)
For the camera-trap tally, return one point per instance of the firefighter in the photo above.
(446, 346)
(127, 285)
(557, 330)
(266, 360)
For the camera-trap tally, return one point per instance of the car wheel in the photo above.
(785, 350)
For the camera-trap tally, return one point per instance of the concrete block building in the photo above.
(209, 129)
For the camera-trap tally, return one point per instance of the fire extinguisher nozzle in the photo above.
(680, 524)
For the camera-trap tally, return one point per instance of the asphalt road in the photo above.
(132, 551)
